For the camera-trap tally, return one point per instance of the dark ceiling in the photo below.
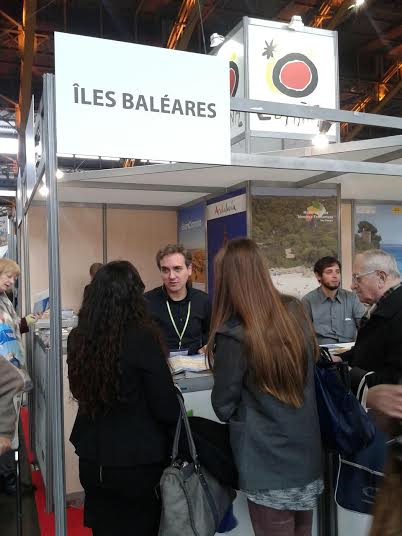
(370, 42)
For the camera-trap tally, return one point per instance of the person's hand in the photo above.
(386, 399)
(336, 358)
(31, 319)
(203, 350)
(5, 445)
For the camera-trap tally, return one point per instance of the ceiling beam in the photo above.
(389, 96)
(186, 22)
(333, 12)
(28, 35)
(386, 40)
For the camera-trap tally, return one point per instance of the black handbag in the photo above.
(212, 441)
(193, 501)
(345, 426)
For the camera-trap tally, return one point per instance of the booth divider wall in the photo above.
(132, 234)
(137, 234)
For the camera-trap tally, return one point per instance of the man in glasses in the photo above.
(377, 353)
(335, 312)
(376, 360)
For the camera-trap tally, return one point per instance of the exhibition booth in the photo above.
(298, 203)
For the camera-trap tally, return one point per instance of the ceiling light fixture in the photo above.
(357, 4)
(8, 146)
(44, 190)
(215, 40)
(296, 23)
(320, 141)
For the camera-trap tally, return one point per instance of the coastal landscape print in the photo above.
(293, 233)
(379, 227)
(191, 225)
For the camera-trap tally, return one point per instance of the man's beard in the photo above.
(330, 287)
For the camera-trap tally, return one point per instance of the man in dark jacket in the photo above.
(378, 348)
(182, 312)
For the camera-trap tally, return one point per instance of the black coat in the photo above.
(197, 332)
(138, 430)
(378, 345)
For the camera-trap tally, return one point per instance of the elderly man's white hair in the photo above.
(378, 259)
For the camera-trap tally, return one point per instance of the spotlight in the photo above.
(357, 4)
(44, 190)
(296, 23)
(216, 40)
(320, 141)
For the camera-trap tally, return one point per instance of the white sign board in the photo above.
(227, 207)
(133, 101)
(233, 51)
(288, 66)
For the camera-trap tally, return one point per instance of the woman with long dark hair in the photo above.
(262, 351)
(119, 375)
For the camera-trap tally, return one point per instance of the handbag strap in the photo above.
(183, 418)
(362, 390)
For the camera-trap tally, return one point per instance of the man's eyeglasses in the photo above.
(356, 277)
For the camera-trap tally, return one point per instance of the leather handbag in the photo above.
(193, 501)
(212, 441)
(345, 426)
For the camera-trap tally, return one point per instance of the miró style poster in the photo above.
(295, 67)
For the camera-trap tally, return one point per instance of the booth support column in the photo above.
(104, 232)
(56, 355)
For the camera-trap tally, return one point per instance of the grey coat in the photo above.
(11, 383)
(275, 446)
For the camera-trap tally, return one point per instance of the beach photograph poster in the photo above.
(379, 226)
(293, 232)
(191, 224)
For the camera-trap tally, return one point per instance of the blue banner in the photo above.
(226, 219)
(191, 225)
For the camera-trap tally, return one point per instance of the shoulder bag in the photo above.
(345, 426)
(193, 501)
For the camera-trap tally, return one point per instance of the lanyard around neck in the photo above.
(180, 335)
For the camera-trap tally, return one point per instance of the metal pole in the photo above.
(104, 232)
(56, 354)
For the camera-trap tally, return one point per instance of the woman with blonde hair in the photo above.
(262, 351)
(11, 348)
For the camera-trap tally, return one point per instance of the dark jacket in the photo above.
(197, 332)
(378, 345)
(275, 446)
(138, 429)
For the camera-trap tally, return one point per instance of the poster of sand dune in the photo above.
(294, 232)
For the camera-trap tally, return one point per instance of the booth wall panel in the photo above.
(136, 236)
(81, 245)
(38, 253)
(346, 241)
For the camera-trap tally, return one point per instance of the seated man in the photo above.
(182, 312)
(335, 312)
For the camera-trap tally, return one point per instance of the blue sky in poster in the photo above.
(388, 223)
(191, 224)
